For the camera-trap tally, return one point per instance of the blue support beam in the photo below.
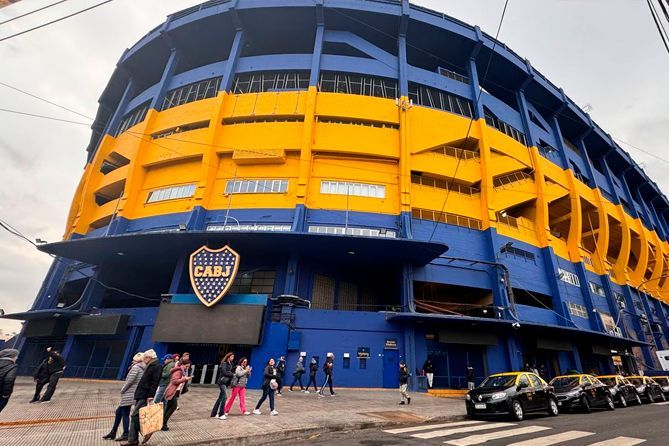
(562, 149)
(165, 79)
(128, 94)
(233, 58)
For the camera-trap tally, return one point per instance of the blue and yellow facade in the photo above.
(421, 189)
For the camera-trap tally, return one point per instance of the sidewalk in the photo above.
(83, 411)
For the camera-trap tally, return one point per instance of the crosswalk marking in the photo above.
(461, 430)
(553, 439)
(482, 438)
(662, 404)
(425, 427)
(619, 441)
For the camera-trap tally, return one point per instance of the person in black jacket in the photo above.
(41, 378)
(428, 369)
(328, 369)
(280, 374)
(404, 383)
(8, 368)
(146, 389)
(55, 366)
(313, 368)
(227, 369)
(269, 385)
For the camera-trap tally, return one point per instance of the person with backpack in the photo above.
(269, 385)
(328, 367)
(297, 375)
(404, 383)
(242, 373)
(280, 374)
(223, 383)
(313, 369)
(41, 378)
(8, 369)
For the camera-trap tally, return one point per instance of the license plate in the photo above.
(479, 406)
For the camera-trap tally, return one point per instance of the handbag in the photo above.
(273, 384)
(150, 419)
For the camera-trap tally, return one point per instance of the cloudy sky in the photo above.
(605, 53)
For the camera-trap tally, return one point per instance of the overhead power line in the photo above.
(45, 100)
(32, 12)
(660, 28)
(55, 20)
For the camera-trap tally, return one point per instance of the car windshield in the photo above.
(608, 381)
(662, 381)
(499, 382)
(565, 381)
(636, 381)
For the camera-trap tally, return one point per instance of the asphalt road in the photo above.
(647, 425)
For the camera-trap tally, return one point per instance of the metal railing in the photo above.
(462, 154)
(91, 372)
(510, 178)
(437, 183)
(448, 218)
(521, 224)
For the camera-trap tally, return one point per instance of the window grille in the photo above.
(492, 120)
(361, 232)
(256, 186)
(354, 189)
(438, 183)
(171, 193)
(196, 91)
(132, 118)
(577, 310)
(433, 98)
(263, 81)
(323, 293)
(349, 83)
(448, 218)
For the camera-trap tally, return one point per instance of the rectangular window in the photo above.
(363, 363)
(171, 193)
(132, 118)
(196, 91)
(347, 362)
(323, 293)
(570, 278)
(361, 232)
(433, 98)
(232, 226)
(274, 186)
(354, 189)
(492, 120)
(263, 81)
(349, 83)
(577, 310)
(597, 289)
(256, 282)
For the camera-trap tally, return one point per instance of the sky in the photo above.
(604, 53)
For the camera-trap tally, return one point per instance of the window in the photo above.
(134, 117)
(323, 292)
(535, 381)
(620, 299)
(524, 380)
(256, 187)
(355, 189)
(256, 282)
(438, 183)
(433, 98)
(349, 83)
(570, 278)
(196, 91)
(363, 232)
(363, 363)
(517, 252)
(597, 289)
(171, 193)
(577, 310)
(453, 75)
(234, 227)
(492, 120)
(346, 362)
(270, 81)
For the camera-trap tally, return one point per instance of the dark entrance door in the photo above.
(391, 371)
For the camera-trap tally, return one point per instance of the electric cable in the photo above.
(33, 12)
(45, 100)
(54, 21)
(658, 25)
(51, 118)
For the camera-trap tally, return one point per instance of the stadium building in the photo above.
(391, 183)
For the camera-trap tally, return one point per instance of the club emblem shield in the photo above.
(212, 272)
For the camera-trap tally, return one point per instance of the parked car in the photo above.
(514, 394)
(648, 390)
(622, 391)
(581, 392)
(663, 381)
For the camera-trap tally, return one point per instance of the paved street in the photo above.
(83, 411)
(645, 425)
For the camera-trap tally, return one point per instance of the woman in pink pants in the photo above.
(241, 376)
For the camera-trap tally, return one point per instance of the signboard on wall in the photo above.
(212, 272)
(391, 344)
(363, 352)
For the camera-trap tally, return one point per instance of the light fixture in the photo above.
(182, 227)
(351, 253)
(503, 213)
(120, 253)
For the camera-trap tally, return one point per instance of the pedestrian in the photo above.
(269, 385)
(242, 373)
(543, 373)
(470, 377)
(527, 367)
(534, 369)
(280, 374)
(127, 398)
(8, 369)
(41, 378)
(227, 372)
(328, 367)
(297, 375)
(313, 369)
(428, 370)
(55, 367)
(404, 383)
(178, 379)
(144, 393)
(168, 365)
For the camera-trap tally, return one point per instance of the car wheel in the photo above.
(553, 410)
(651, 398)
(638, 400)
(585, 404)
(610, 405)
(517, 411)
(623, 401)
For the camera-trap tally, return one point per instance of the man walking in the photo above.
(168, 365)
(8, 368)
(470, 378)
(297, 375)
(144, 393)
(280, 374)
(55, 366)
(313, 368)
(404, 383)
(41, 378)
(428, 369)
(328, 367)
